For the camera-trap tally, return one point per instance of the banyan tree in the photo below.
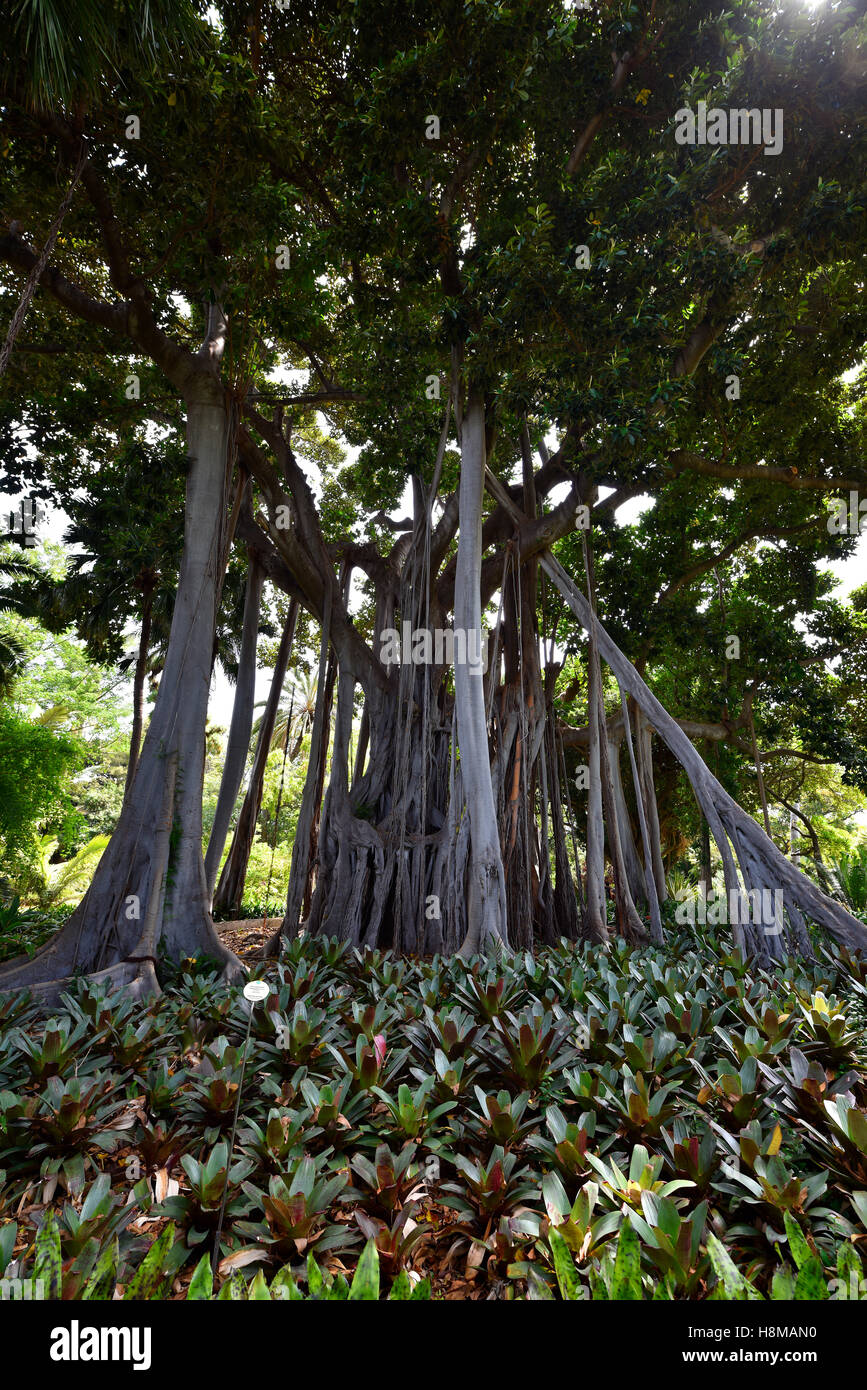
(491, 268)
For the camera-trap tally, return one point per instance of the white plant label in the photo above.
(256, 990)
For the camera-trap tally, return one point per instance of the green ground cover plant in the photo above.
(618, 1124)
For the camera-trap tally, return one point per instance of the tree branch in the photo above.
(685, 461)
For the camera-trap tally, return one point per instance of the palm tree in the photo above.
(294, 716)
(61, 53)
(17, 598)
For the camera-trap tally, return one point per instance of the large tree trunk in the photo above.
(383, 868)
(104, 930)
(241, 724)
(409, 853)
(485, 887)
(230, 889)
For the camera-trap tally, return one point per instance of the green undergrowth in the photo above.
(583, 1124)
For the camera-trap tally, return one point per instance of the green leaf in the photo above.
(564, 1267)
(149, 1278)
(100, 1285)
(365, 1283)
(849, 1268)
(283, 1285)
(401, 1290)
(783, 1284)
(258, 1291)
(734, 1285)
(801, 1251)
(626, 1282)
(47, 1264)
(8, 1234)
(537, 1289)
(858, 1129)
(315, 1282)
(810, 1284)
(234, 1289)
(859, 1202)
(202, 1282)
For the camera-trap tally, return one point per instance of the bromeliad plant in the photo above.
(643, 1176)
(283, 1139)
(487, 1189)
(733, 1095)
(102, 1216)
(335, 1112)
(531, 1046)
(844, 1141)
(566, 1150)
(199, 1206)
(394, 1240)
(491, 995)
(296, 1207)
(409, 1111)
(391, 1183)
(500, 1118)
(826, 1032)
(640, 1110)
(55, 1050)
(573, 1221)
(451, 1031)
(614, 1073)
(76, 1117)
(301, 1039)
(367, 1065)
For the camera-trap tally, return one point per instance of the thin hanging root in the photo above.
(724, 816)
(627, 915)
(656, 933)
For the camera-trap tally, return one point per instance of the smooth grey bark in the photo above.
(656, 933)
(760, 776)
(630, 922)
(597, 913)
(486, 888)
(230, 889)
(579, 887)
(634, 870)
(299, 870)
(138, 687)
(628, 919)
(794, 854)
(566, 892)
(241, 724)
(644, 736)
(105, 928)
(704, 866)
